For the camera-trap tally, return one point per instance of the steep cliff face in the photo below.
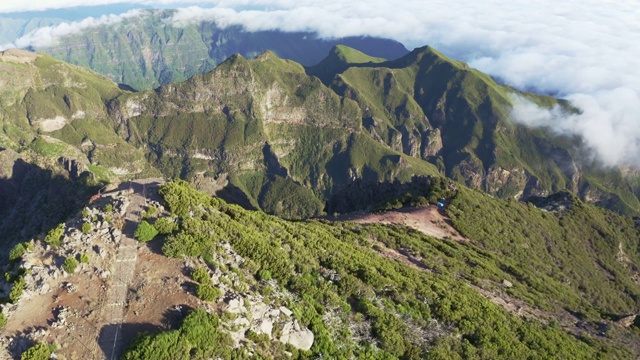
(266, 125)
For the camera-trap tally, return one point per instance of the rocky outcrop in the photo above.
(506, 183)
(248, 311)
(557, 202)
(431, 143)
(299, 337)
(74, 167)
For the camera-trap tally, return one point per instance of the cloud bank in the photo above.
(42, 5)
(582, 50)
(51, 35)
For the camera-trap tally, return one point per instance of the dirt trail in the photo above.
(123, 270)
(428, 220)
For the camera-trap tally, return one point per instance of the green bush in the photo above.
(151, 210)
(16, 290)
(70, 265)
(108, 208)
(16, 253)
(3, 320)
(86, 228)
(201, 276)
(207, 292)
(264, 275)
(394, 298)
(54, 236)
(145, 232)
(197, 338)
(38, 351)
(84, 258)
(165, 226)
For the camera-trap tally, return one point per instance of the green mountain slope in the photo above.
(57, 109)
(261, 122)
(569, 283)
(57, 142)
(440, 110)
(147, 51)
(265, 134)
(12, 28)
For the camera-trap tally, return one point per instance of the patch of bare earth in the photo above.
(159, 289)
(428, 220)
(126, 288)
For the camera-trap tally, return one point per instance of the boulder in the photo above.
(285, 311)
(263, 326)
(627, 321)
(236, 306)
(296, 336)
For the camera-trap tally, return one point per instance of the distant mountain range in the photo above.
(12, 28)
(148, 51)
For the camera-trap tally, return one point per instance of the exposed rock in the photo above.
(506, 283)
(557, 202)
(432, 143)
(259, 310)
(8, 158)
(100, 251)
(73, 166)
(235, 306)
(69, 287)
(264, 326)
(60, 320)
(294, 335)
(506, 182)
(285, 311)
(627, 321)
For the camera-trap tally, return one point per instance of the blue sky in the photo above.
(583, 50)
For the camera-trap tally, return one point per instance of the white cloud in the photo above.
(50, 35)
(583, 50)
(606, 124)
(10, 6)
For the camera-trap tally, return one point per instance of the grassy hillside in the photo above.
(59, 109)
(437, 309)
(440, 110)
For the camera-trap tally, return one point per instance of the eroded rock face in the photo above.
(8, 158)
(74, 167)
(432, 143)
(506, 182)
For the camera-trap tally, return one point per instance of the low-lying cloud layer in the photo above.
(582, 50)
(51, 35)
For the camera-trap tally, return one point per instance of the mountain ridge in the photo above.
(153, 52)
(263, 125)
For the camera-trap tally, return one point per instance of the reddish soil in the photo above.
(428, 220)
(157, 286)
